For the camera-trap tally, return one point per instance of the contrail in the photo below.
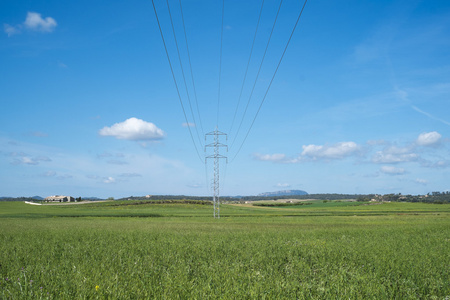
(429, 115)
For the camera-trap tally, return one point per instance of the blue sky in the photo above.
(360, 102)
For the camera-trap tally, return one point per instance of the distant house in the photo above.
(58, 198)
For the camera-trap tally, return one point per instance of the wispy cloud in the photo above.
(276, 157)
(109, 180)
(116, 162)
(53, 174)
(195, 185)
(49, 174)
(62, 65)
(421, 181)
(130, 175)
(11, 30)
(394, 155)
(37, 134)
(392, 170)
(439, 164)
(282, 185)
(429, 115)
(20, 158)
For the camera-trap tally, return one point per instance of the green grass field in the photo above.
(332, 250)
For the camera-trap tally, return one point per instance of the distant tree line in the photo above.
(303, 197)
(434, 197)
(166, 201)
(276, 204)
(165, 197)
(18, 199)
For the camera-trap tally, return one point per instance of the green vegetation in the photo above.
(176, 250)
(434, 197)
(277, 204)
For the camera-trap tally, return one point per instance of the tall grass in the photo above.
(395, 256)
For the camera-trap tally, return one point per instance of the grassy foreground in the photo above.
(177, 251)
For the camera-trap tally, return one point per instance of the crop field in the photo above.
(127, 250)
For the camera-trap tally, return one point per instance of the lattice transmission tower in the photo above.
(216, 156)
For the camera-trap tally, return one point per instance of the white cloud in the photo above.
(276, 157)
(428, 138)
(22, 158)
(188, 124)
(283, 185)
(109, 180)
(389, 158)
(397, 150)
(392, 170)
(133, 129)
(314, 152)
(421, 181)
(438, 164)
(129, 175)
(393, 155)
(53, 174)
(339, 150)
(35, 22)
(11, 30)
(195, 185)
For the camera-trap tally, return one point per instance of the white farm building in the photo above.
(59, 199)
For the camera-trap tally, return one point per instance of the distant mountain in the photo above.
(37, 198)
(283, 193)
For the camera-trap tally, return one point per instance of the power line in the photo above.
(190, 67)
(257, 74)
(174, 79)
(182, 71)
(248, 64)
(220, 62)
(270, 84)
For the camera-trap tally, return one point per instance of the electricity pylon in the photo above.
(216, 156)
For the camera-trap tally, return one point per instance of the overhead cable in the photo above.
(257, 75)
(248, 64)
(220, 63)
(190, 67)
(182, 73)
(174, 80)
(270, 84)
